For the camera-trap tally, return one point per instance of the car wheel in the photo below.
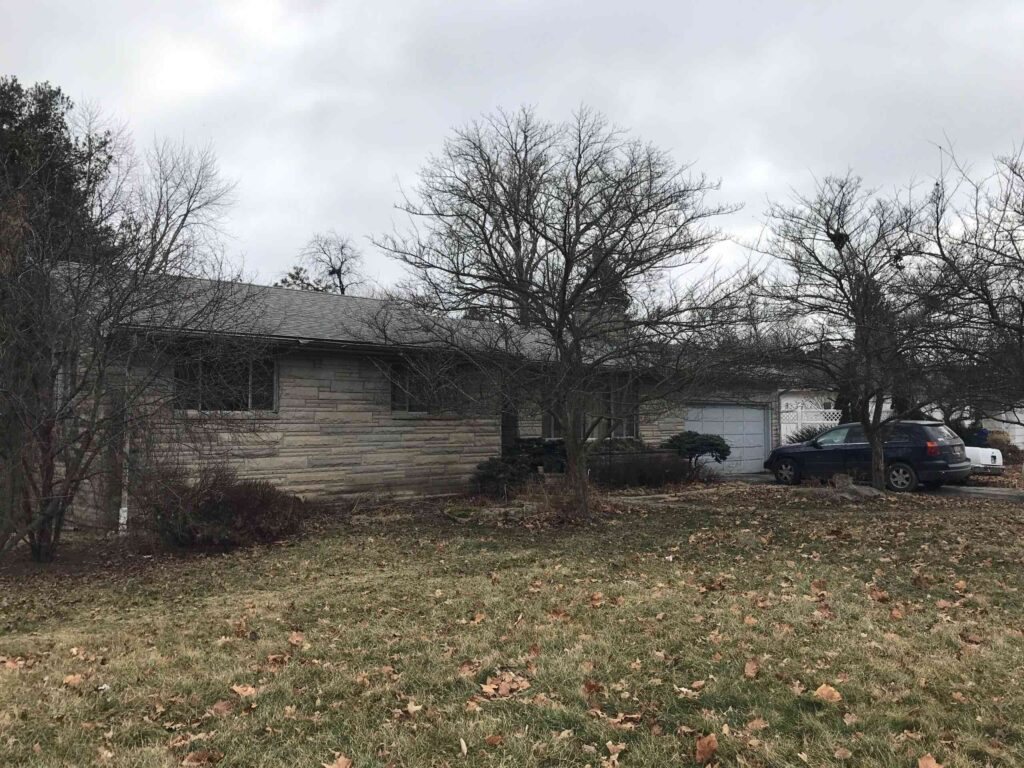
(787, 472)
(901, 478)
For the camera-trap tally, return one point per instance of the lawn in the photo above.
(797, 629)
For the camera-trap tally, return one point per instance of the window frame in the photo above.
(198, 405)
(401, 380)
(625, 398)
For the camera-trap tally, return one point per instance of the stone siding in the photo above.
(334, 433)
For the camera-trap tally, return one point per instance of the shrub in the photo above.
(692, 446)
(502, 475)
(548, 453)
(804, 434)
(217, 509)
(1000, 440)
(635, 468)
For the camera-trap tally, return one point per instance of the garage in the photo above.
(744, 427)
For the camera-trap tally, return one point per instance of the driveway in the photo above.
(1006, 494)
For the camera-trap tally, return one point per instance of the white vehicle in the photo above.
(985, 461)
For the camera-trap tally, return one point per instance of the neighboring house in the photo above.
(337, 415)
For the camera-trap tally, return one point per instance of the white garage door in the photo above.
(745, 429)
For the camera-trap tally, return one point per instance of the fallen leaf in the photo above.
(751, 668)
(843, 754)
(296, 639)
(222, 707)
(340, 761)
(706, 747)
(928, 762)
(493, 741)
(757, 724)
(73, 681)
(850, 719)
(244, 691)
(463, 748)
(826, 692)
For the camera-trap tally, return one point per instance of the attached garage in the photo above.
(746, 428)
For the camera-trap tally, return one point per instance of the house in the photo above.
(335, 413)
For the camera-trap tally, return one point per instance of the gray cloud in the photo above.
(320, 110)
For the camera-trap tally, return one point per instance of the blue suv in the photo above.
(926, 453)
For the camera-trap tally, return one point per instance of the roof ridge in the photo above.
(305, 292)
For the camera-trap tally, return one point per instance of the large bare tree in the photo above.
(857, 293)
(564, 246)
(329, 263)
(105, 259)
(975, 228)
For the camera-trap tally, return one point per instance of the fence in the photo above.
(791, 420)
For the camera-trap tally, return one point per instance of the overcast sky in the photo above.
(321, 110)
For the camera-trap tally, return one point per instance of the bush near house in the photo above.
(1000, 440)
(693, 446)
(217, 509)
(647, 468)
(612, 463)
(501, 476)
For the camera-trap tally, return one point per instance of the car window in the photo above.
(941, 432)
(901, 434)
(833, 436)
(856, 435)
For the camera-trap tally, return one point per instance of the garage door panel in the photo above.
(742, 427)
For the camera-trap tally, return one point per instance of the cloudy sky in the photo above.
(320, 111)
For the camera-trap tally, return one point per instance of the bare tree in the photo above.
(857, 295)
(975, 227)
(329, 263)
(106, 263)
(550, 254)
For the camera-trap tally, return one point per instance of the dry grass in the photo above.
(418, 640)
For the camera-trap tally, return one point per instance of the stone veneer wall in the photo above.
(334, 433)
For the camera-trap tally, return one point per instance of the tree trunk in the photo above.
(877, 462)
(509, 426)
(576, 470)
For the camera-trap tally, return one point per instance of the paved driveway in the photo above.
(1011, 494)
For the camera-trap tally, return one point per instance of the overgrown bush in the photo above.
(537, 452)
(1000, 440)
(216, 509)
(693, 446)
(805, 433)
(501, 476)
(640, 469)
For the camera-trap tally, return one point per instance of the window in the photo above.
(623, 407)
(407, 390)
(901, 434)
(833, 436)
(855, 435)
(941, 432)
(224, 385)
